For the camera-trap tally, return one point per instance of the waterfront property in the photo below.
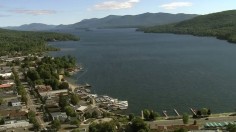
(110, 103)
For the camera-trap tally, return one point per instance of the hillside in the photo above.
(32, 27)
(142, 20)
(24, 42)
(221, 25)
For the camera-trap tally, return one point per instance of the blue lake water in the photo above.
(156, 71)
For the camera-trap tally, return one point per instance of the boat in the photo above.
(87, 85)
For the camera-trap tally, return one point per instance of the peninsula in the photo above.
(221, 25)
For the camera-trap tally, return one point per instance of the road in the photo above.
(202, 121)
(32, 106)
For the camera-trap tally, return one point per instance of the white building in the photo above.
(5, 74)
(15, 102)
(59, 116)
(14, 124)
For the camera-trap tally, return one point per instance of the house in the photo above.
(43, 88)
(53, 93)
(9, 108)
(2, 86)
(59, 116)
(6, 75)
(14, 124)
(53, 108)
(15, 102)
(81, 109)
(92, 109)
(13, 114)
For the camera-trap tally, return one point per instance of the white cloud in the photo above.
(34, 12)
(115, 5)
(174, 5)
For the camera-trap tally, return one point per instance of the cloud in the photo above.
(34, 12)
(174, 5)
(4, 15)
(115, 5)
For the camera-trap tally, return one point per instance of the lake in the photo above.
(156, 71)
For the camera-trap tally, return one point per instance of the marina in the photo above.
(103, 101)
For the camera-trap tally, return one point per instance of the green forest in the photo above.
(221, 25)
(25, 42)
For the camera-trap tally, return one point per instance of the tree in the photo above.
(209, 112)
(199, 113)
(204, 111)
(2, 121)
(131, 117)
(75, 122)
(150, 114)
(87, 115)
(185, 118)
(231, 128)
(33, 75)
(36, 125)
(146, 114)
(153, 115)
(139, 124)
(56, 124)
(74, 99)
(102, 127)
(70, 111)
(24, 99)
(63, 101)
(64, 85)
(1, 101)
(94, 114)
(31, 114)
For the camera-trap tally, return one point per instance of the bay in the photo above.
(156, 71)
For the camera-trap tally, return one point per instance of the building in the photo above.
(81, 109)
(13, 114)
(15, 102)
(2, 86)
(6, 75)
(14, 124)
(54, 93)
(59, 116)
(43, 88)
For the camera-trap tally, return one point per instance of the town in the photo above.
(35, 96)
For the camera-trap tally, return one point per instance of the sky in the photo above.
(55, 12)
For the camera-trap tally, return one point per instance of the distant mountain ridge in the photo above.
(112, 21)
(32, 27)
(221, 25)
(130, 21)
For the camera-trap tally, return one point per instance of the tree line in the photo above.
(25, 42)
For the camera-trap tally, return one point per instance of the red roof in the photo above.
(5, 86)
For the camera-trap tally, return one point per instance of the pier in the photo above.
(177, 113)
(165, 113)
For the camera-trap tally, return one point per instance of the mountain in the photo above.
(221, 25)
(113, 21)
(32, 27)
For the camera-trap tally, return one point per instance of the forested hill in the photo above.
(129, 21)
(221, 25)
(23, 42)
